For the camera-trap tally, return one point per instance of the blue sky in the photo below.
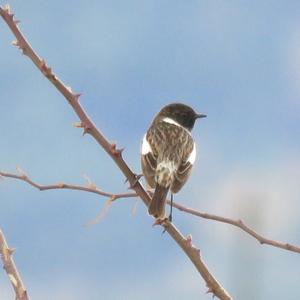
(237, 62)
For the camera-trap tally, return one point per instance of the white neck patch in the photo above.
(171, 121)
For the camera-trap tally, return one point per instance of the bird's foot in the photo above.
(160, 221)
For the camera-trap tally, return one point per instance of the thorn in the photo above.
(76, 97)
(113, 147)
(42, 64)
(209, 291)
(189, 239)
(84, 132)
(121, 150)
(69, 89)
(44, 67)
(6, 8)
(21, 172)
(78, 124)
(47, 71)
(15, 43)
(91, 184)
(240, 222)
(17, 22)
(136, 180)
(94, 187)
(7, 252)
(86, 129)
(116, 152)
(11, 251)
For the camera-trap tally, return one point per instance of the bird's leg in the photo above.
(171, 209)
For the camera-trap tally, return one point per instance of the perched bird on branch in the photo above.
(168, 154)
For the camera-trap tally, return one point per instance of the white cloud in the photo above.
(265, 197)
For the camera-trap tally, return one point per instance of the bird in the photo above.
(168, 153)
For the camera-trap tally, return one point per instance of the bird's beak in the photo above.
(198, 116)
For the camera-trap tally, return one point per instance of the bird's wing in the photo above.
(148, 160)
(185, 167)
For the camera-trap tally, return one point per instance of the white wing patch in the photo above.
(192, 156)
(145, 146)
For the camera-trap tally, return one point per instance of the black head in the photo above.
(180, 113)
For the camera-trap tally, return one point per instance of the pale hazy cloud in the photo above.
(265, 197)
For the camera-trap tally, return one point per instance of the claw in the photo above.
(159, 221)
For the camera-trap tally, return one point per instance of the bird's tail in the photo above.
(158, 202)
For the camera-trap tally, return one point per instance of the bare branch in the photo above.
(240, 224)
(116, 154)
(112, 197)
(11, 269)
(91, 188)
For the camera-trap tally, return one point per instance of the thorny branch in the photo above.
(116, 154)
(11, 269)
(240, 224)
(92, 188)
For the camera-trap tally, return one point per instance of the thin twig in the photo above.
(11, 269)
(240, 224)
(91, 188)
(112, 197)
(116, 154)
